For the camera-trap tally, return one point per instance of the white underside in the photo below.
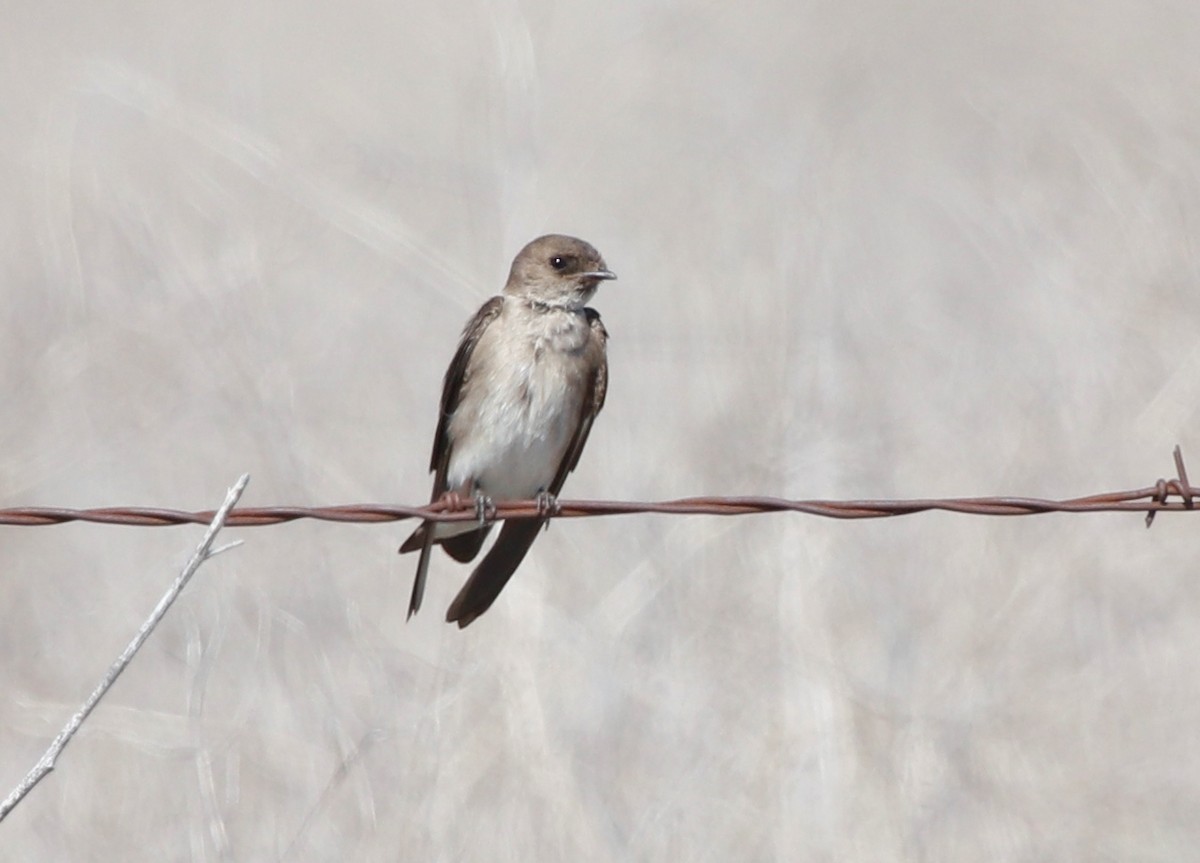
(514, 425)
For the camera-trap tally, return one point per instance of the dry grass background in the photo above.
(866, 249)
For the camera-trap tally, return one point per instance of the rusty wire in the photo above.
(1150, 500)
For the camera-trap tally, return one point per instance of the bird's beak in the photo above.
(599, 275)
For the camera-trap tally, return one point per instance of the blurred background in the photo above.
(865, 250)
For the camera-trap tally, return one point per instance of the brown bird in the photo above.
(518, 402)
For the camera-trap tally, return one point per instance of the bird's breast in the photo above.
(522, 404)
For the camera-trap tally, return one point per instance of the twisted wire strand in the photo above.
(1150, 500)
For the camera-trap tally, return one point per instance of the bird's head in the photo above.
(558, 271)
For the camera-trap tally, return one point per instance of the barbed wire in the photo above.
(1150, 500)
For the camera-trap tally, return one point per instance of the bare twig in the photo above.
(203, 552)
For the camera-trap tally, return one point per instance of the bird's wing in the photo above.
(592, 402)
(502, 560)
(452, 387)
(439, 461)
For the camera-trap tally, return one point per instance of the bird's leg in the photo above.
(547, 504)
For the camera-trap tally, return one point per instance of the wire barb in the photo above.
(1185, 488)
(1166, 487)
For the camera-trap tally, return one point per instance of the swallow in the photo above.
(518, 402)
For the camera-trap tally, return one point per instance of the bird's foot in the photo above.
(485, 509)
(547, 504)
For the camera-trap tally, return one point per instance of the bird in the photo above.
(518, 401)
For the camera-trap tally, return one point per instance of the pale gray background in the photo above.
(865, 249)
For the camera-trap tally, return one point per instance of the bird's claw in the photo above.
(485, 509)
(547, 505)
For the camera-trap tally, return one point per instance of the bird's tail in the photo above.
(418, 591)
(462, 547)
(493, 571)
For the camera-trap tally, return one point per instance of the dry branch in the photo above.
(203, 552)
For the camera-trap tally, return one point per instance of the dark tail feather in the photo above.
(416, 539)
(494, 571)
(462, 547)
(418, 590)
(465, 546)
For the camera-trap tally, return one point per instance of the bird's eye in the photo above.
(558, 262)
